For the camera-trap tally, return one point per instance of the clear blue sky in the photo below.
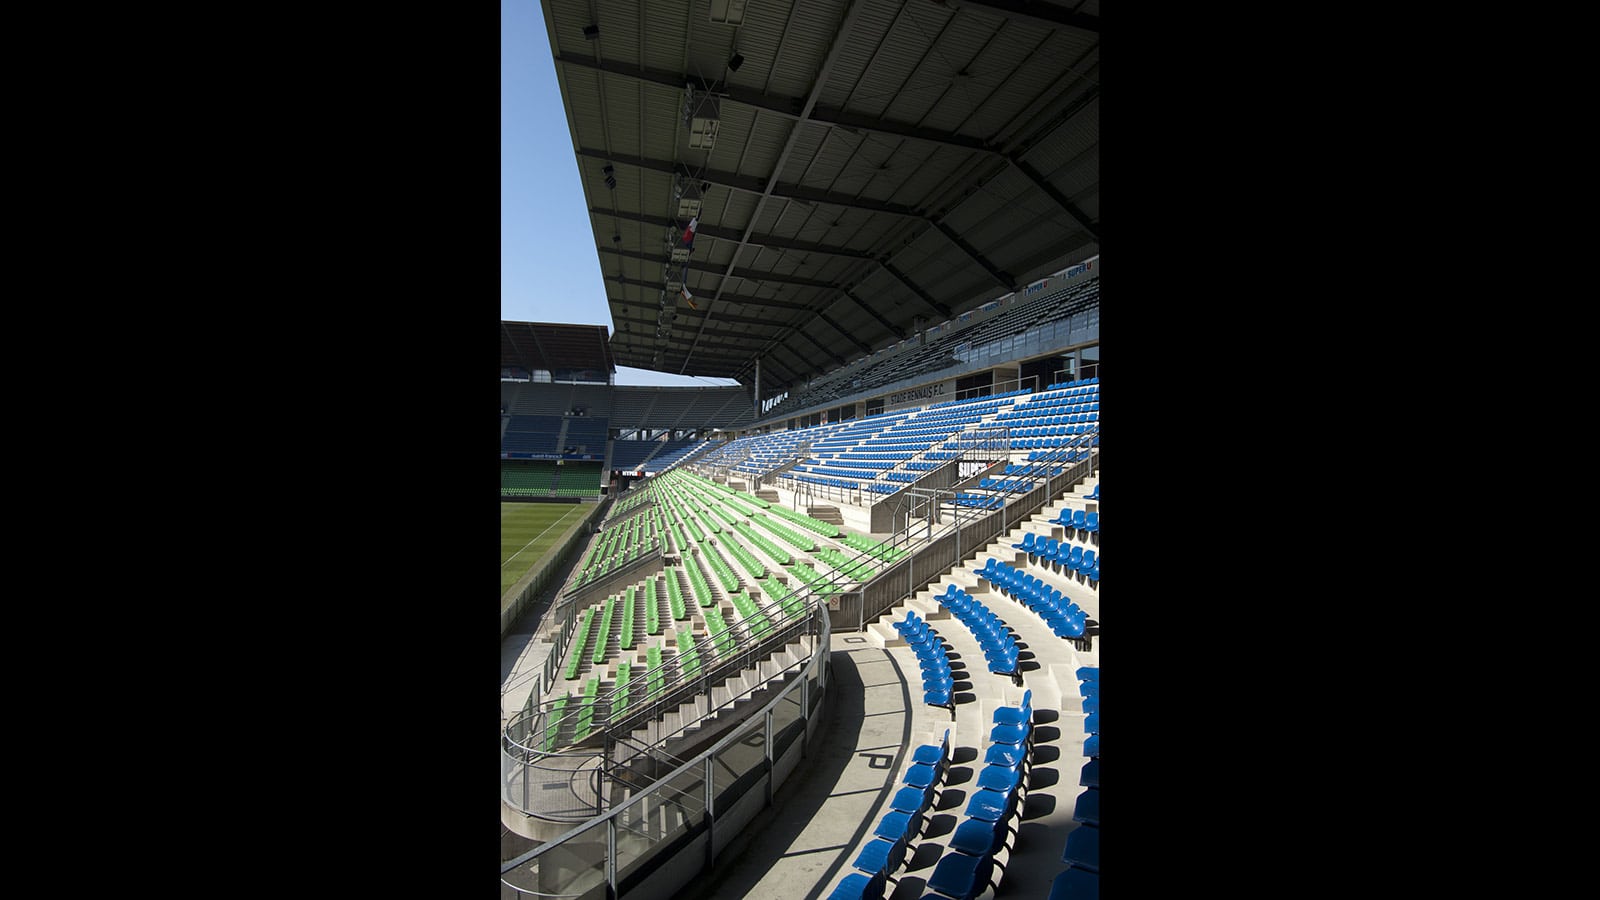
(549, 268)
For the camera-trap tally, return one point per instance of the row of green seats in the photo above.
(744, 557)
(688, 656)
(553, 724)
(675, 595)
(655, 680)
(586, 710)
(814, 579)
(826, 529)
(773, 550)
(625, 640)
(720, 567)
(697, 581)
(603, 636)
(652, 610)
(620, 708)
(717, 628)
(856, 570)
(579, 641)
(786, 597)
(793, 538)
(881, 550)
(759, 625)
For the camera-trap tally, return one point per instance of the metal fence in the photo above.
(669, 831)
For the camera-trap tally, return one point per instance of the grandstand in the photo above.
(900, 498)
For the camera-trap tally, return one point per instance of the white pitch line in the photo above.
(541, 534)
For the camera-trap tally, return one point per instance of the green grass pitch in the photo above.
(529, 530)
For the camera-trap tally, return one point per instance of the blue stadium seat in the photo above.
(1091, 522)
(1027, 543)
(933, 754)
(857, 886)
(1080, 519)
(1015, 715)
(881, 857)
(1008, 755)
(989, 806)
(1083, 848)
(979, 838)
(1073, 558)
(1091, 722)
(961, 876)
(1076, 884)
(1091, 746)
(1000, 778)
(912, 800)
(1089, 776)
(1087, 809)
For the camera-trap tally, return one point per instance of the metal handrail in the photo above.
(699, 759)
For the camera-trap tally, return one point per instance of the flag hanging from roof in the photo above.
(688, 297)
(688, 233)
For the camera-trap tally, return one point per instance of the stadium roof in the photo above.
(542, 345)
(862, 168)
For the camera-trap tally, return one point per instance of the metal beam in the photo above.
(788, 107)
(688, 322)
(746, 184)
(746, 274)
(921, 294)
(1003, 278)
(731, 235)
(839, 328)
(1033, 13)
(1049, 190)
(818, 344)
(893, 329)
(726, 317)
(730, 298)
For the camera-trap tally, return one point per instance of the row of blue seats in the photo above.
(1046, 443)
(1081, 879)
(1009, 485)
(967, 867)
(1064, 616)
(899, 827)
(1079, 519)
(1000, 650)
(878, 487)
(979, 501)
(1072, 557)
(1051, 431)
(1030, 420)
(1062, 455)
(938, 681)
(1029, 470)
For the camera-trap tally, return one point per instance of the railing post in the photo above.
(711, 817)
(611, 857)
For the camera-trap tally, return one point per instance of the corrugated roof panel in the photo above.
(873, 18)
(889, 74)
(761, 151)
(947, 43)
(663, 114)
(619, 30)
(566, 34)
(806, 36)
(666, 28)
(757, 41)
(622, 111)
(808, 142)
